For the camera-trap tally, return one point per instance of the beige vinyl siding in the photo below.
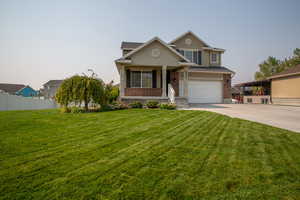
(196, 44)
(205, 58)
(166, 57)
(205, 76)
(287, 87)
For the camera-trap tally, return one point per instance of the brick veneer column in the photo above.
(185, 82)
(227, 86)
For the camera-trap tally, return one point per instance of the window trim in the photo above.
(211, 58)
(141, 71)
(192, 50)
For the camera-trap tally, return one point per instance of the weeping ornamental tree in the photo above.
(80, 90)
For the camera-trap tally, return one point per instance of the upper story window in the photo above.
(214, 58)
(141, 79)
(192, 55)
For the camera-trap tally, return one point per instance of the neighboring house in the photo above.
(281, 88)
(187, 68)
(285, 87)
(18, 89)
(50, 88)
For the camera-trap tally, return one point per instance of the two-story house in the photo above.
(50, 88)
(186, 69)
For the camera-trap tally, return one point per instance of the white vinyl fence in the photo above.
(13, 102)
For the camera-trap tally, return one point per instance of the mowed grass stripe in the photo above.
(38, 167)
(71, 135)
(114, 164)
(111, 132)
(36, 164)
(164, 153)
(145, 154)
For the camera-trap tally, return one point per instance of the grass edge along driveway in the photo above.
(145, 154)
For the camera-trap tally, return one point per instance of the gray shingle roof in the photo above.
(211, 68)
(130, 45)
(288, 72)
(11, 88)
(54, 82)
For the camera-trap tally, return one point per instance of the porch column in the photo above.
(185, 82)
(122, 81)
(164, 81)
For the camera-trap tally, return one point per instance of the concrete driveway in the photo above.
(286, 117)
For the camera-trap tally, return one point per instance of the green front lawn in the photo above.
(145, 154)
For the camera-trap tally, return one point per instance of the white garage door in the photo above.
(205, 92)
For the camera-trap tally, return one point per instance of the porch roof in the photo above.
(260, 83)
(218, 69)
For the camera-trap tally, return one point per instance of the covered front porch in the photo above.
(152, 82)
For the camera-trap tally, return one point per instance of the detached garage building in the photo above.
(285, 87)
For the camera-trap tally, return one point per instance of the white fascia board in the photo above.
(149, 42)
(213, 49)
(189, 32)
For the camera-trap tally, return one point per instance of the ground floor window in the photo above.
(141, 79)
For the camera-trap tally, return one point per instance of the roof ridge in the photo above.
(149, 42)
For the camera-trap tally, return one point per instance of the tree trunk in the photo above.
(86, 105)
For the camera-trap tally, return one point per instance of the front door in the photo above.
(168, 79)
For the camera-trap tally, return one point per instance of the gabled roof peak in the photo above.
(149, 42)
(186, 33)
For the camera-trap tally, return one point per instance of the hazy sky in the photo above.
(43, 39)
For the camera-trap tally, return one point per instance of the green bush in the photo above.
(106, 108)
(76, 109)
(168, 106)
(118, 105)
(152, 104)
(65, 109)
(136, 104)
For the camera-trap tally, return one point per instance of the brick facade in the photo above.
(143, 101)
(174, 76)
(227, 86)
(155, 92)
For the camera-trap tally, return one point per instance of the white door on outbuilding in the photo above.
(205, 91)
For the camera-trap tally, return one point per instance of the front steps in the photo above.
(181, 102)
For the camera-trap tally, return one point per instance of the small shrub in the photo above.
(76, 109)
(106, 108)
(168, 106)
(65, 110)
(118, 105)
(152, 104)
(136, 104)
